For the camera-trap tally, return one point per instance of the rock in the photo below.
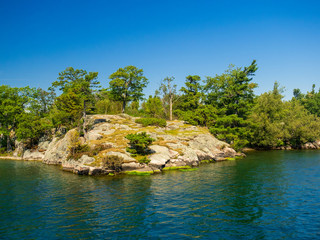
(93, 135)
(99, 120)
(33, 155)
(58, 149)
(96, 171)
(43, 146)
(229, 152)
(131, 166)
(19, 148)
(206, 141)
(204, 154)
(176, 163)
(190, 157)
(308, 145)
(161, 156)
(126, 158)
(81, 170)
(85, 159)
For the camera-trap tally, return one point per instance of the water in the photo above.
(268, 195)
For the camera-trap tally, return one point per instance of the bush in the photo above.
(139, 143)
(144, 160)
(152, 122)
(113, 162)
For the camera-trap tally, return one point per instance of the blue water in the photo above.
(268, 195)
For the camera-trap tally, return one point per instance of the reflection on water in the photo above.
(268, 195)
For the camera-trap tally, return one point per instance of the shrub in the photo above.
(139, 143)
(112, 162)
(152, 122)
(144, 160)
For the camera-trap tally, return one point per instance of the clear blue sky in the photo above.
(39, 39)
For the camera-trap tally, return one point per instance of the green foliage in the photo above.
(152, 122)
(232, 94)
(77, 96)
(153, 107)
(278, 123)
(126, 85)
(191, 93)
(204, 115)
(113, 162)
(105, 105)
(139, 142)
(144, 160)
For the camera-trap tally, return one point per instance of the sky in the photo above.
(39, 39)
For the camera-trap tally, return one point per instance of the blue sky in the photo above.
(39, 39)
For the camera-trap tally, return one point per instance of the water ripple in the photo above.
(268, 195)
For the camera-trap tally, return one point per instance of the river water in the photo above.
(268, 195)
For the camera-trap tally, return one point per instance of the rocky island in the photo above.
(178, 145)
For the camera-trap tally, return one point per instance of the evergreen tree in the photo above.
(232, 94)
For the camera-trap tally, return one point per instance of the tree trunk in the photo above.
(84, 116)
(170, 106)
(9, 148)
(123, 106)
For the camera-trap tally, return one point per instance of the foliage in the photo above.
(113, 162)
(277, 123)
(139, 143)
(191, 93)
(152, 122)
(126, 85)
(232, 94)
(77, 96)
(144, 159)
(153, 107)
(105, 105)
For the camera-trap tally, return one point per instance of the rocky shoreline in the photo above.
(178, 145)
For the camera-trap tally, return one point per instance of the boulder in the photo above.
(58, 149)
(190, 157)
(126, 158)
(93, 135)
(131, 166)
(160, 157)
(43, 146)
(85, 160)
(33, 155)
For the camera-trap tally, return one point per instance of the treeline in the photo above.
(225, 104)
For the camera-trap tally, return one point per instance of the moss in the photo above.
(188, 170)
(239, 157)
(205, 161)
(111, 174)
(137, 173)
(176, 168)
(230, 159)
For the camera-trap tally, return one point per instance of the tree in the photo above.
(191, 93)
(13, 102)
(126, 84)
(80, 85)
(168, 91)
(232, 94)
(153, 107)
